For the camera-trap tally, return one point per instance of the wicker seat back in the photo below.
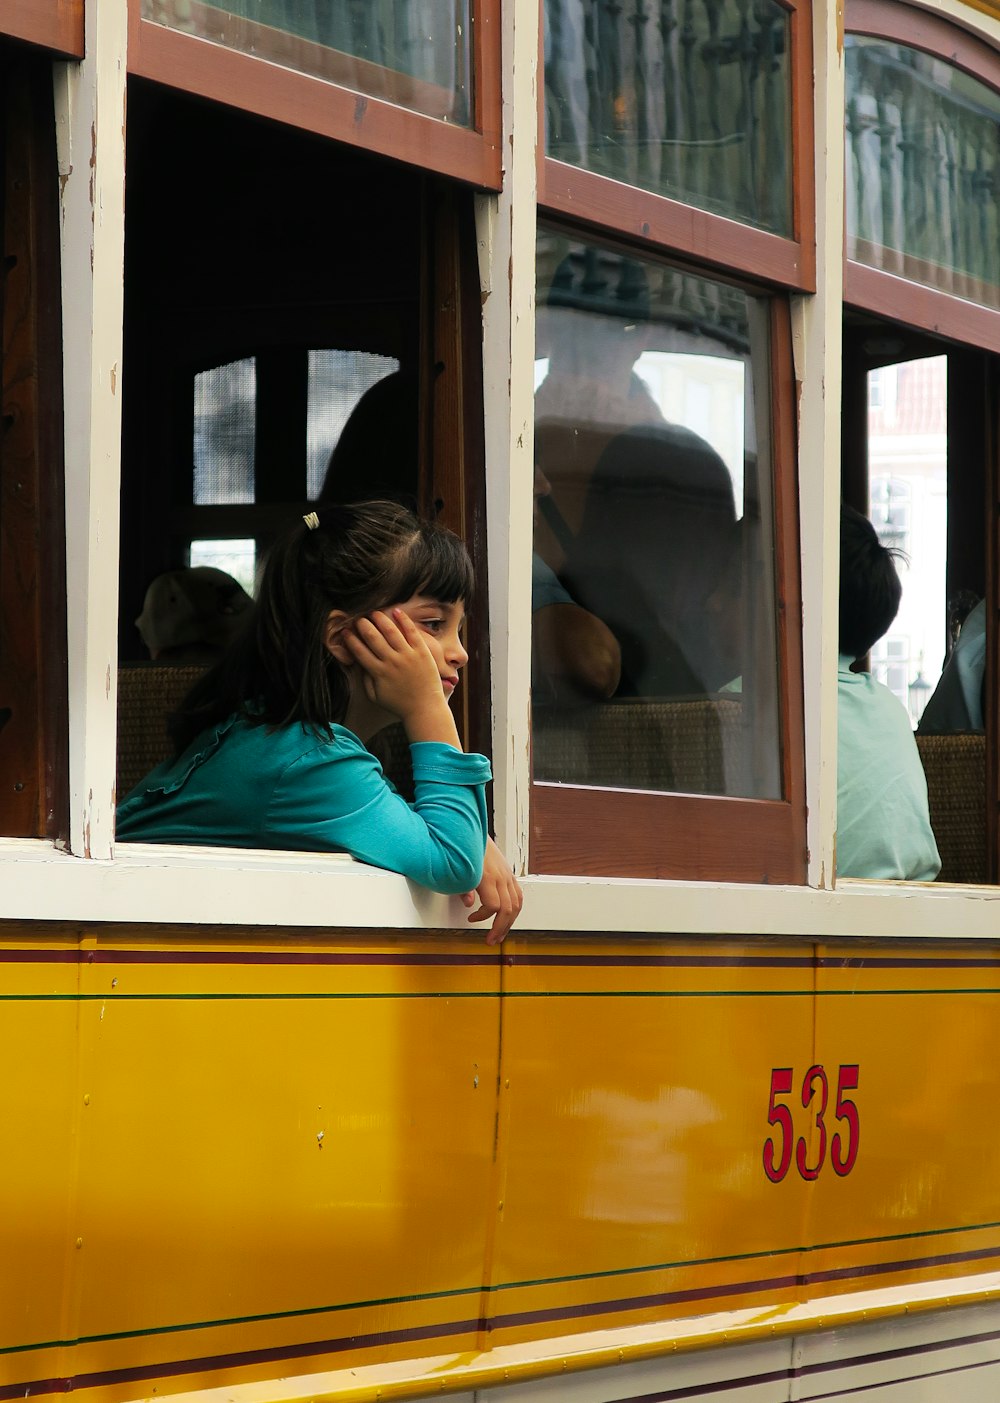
(148, 693)
(955, 767)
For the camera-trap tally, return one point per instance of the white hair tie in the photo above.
(311, 520)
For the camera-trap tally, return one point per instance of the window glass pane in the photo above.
(654, 646)
(908, 506)
(415, 53)
(225, 405)
(337, 382)
(923, 165)
(689, 100)
(237, 558)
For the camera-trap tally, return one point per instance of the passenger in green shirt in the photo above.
(357, 624)
(883, 823)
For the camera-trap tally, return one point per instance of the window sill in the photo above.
(149, 884)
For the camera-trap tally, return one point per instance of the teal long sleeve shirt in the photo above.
(247, 786)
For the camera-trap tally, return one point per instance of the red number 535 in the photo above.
(778, 1149)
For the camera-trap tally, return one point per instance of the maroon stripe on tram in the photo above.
(311, 1349)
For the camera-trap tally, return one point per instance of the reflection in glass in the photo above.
(654, 528)
(922, 169)
(685, 98)
(415, 53)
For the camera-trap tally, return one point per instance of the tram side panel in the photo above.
(243, 1159)
(639, 1076)
(247, 1156)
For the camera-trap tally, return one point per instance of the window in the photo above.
(922, 117)
(655, 621)
(416, 81)
(274, 361)
(666, 707)
(52, 24)
(707, 111)
(225, 464)
(417, 55)
(921, 168)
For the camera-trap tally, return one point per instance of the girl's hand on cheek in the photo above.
(401, 675)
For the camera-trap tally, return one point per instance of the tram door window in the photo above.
(919, 461)
(33, 789)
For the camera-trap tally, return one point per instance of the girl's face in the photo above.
(441, 625)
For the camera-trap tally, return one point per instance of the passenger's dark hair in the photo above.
(360, 557)
(870, 590)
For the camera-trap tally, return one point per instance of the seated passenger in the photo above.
(574, 655)
(883, 825)
(956, 703)
(191, 616)
(653, 547)
(357, 624)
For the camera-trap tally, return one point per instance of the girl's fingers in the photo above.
(406, 626)
(372, 633)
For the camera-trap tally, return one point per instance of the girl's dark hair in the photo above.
(870, 590)
(360, 557)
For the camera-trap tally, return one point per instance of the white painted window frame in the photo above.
(143, 884)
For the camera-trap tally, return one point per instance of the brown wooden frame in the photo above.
(53, 24)
(34, 800)
(716, 241)
(320, 105)
(893, 294)
(577, 830)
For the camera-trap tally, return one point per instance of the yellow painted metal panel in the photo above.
(38, 1112)
(322, 1152)
(653, 1076)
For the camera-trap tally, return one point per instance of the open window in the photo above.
(921, 374)
(919, 441)
(277, 357)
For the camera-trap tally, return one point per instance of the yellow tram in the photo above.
(714, 1122)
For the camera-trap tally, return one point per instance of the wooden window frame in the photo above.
(321, 105)
(716, 241)
(893, 295)
(52, 24)
(34, 801)
(584, 831)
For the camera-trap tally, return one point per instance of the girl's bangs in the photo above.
(439, 566)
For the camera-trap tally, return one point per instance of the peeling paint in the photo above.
(107, 683)
(93, 168)
(114, 378)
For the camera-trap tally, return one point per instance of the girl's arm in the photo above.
(334, 798)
